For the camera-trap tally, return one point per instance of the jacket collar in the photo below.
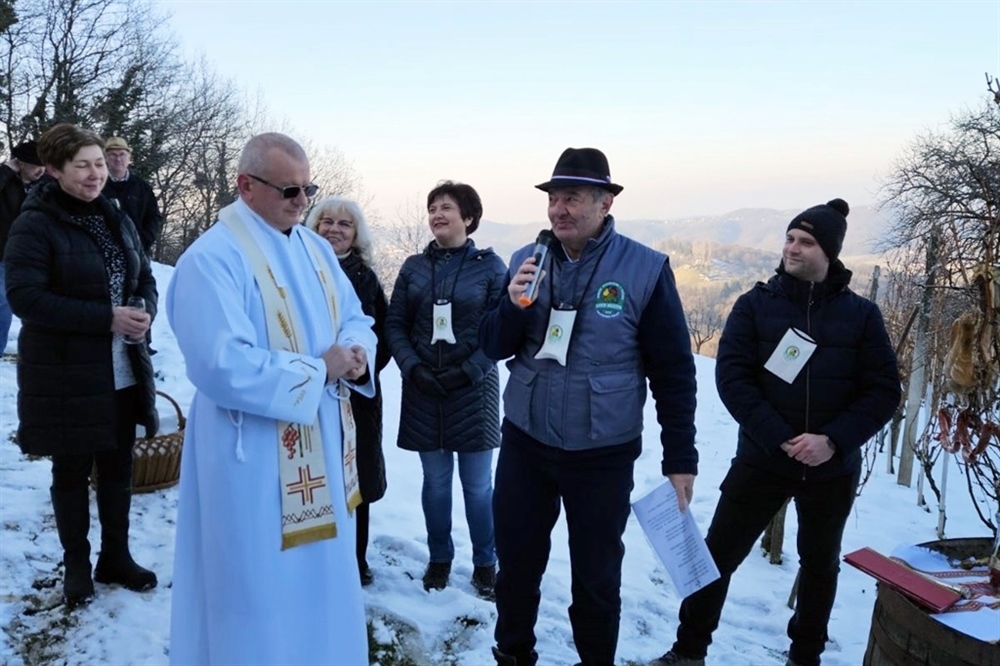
(837, 280)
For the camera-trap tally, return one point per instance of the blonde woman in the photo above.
(341, 222)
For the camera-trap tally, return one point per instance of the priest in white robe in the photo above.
(273, 337)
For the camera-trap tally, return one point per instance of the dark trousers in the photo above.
(361, 516)
(71, 473)
(594, 486)
(750, 499)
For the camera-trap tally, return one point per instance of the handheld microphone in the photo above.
(541, 251)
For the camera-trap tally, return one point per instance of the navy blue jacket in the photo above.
(847, 390)
(467, 419)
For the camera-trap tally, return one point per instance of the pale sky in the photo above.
(701, 107)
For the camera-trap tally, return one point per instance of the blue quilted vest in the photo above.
(596, 400)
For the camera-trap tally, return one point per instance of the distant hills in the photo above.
(759, 228)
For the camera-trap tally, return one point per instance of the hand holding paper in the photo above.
(674, 536)
(684, 485)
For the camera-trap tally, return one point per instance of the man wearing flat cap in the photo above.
(603, 318)
(17, 175)
(131, 193)
(806, 368)
(135, 196)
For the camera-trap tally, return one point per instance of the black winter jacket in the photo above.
(57, 284)
(135, 196)
(847, 390)
(368, 411)
(467, 419)
(12, 196)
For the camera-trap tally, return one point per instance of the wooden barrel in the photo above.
(902, 633)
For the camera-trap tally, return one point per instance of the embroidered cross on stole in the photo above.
(306, 509)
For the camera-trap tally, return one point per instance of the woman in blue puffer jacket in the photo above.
(451, 391)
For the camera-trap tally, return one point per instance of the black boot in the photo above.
(72, 511)
(528, 659)
(436, 575)
(115, 563)
(484, 579)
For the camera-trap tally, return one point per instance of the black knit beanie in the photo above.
(826, 223)
(26, 152)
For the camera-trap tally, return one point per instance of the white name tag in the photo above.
(441, 325)
(557, 335)
(791, 355)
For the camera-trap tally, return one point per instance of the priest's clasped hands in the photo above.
(347, 362)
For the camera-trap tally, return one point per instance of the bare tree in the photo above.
(704, 319)
(74, 60)
(405, 235)
(945, 191)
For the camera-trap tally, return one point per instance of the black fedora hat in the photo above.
(581, 166)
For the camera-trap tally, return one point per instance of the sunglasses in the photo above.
(291, 191)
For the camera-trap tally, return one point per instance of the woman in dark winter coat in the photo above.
(341, 222)
(451, 391)
(72, 261)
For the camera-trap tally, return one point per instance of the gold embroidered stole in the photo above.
(352, 488)
(306, 509)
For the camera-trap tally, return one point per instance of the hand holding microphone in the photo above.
(524, 287)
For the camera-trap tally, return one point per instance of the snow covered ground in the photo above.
(452, 626)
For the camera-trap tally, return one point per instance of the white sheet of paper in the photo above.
(791, 354)
(675, 539)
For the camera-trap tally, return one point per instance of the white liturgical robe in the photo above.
(237, 597)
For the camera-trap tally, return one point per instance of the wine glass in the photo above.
(137, 303)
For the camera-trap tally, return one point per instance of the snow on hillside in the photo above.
(452, 626)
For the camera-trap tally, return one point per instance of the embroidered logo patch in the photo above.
(610, 299)
(792, 353)
(555, 333)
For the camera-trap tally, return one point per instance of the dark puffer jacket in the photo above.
(57, 284)
(847, 391)
(466, 419)
(368, 411)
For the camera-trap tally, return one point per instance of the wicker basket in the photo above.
(156, 461)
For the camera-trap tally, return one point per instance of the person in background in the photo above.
(72, 262)
(132, 193)
(450, 402)
(17, 175)
(341, 222)
(606, 317)
(801, 431)
(274, 339)
(135, 196)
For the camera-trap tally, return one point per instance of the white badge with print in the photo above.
(557, 335)
(791, 355)
(441, 324)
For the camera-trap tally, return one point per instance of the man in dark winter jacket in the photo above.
(806, 368)
(606, 317)
(131, 193)
(17, 175)
(134, 196)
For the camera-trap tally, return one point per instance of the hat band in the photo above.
(583, 178)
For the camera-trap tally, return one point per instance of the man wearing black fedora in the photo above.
(603, 318)
(16, 175)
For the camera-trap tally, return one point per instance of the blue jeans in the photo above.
(475, 472)
(5, 314)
